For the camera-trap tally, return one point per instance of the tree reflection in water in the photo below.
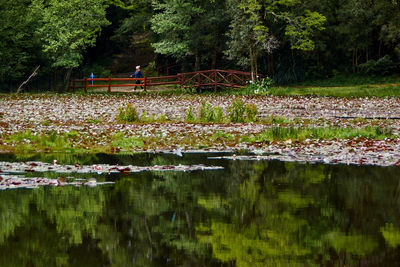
(250, 214)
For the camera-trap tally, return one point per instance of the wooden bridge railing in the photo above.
(206, 78)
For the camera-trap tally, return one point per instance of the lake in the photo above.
(250, 213)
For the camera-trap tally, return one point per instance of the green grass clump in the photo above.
(127, 114)
(251, 112)
(206, 113)
(189, 115)
(121, 141)
(236, 111)
(345, 91)
(52, 141)
(221, 136)
(293, 133)
(276, 120)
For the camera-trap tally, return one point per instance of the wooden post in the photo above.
(181, 79)
(85, 84)
(215, 81)
(109, 84)
(231, 80)
(73, 85)
(198, 79)
(144, 84)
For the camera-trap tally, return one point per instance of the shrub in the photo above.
(383, 66)
(127, 114)
(236, 111)
(251, 112)
(260, 86)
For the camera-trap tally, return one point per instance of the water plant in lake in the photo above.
(127, 114)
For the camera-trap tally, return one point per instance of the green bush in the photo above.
(260, 86)
(251, 112)
(383, 66)
(236, 111)
(127, 114)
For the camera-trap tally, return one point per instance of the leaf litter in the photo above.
(93, 118)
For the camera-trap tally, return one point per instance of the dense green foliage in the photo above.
(289, 40)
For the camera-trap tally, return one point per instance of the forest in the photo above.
(288, 40)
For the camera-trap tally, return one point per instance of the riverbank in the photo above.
(314, 129)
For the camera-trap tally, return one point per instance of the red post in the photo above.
(69, 85)
(180, 79)
(73, 85)
(85, 84)
(144, 83)
(215, 81)
(198, 79)
(109, 84)
(231, 80)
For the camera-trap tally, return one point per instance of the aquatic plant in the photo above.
(127, 114)
(236, 111)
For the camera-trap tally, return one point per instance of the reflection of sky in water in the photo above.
(252, 213)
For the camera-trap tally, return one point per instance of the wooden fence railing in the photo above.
(206, 78)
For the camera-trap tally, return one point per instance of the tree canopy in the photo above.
(290, 40)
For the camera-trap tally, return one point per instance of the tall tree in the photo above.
(67, 28)
(188, 28)
(259, 25)
(19, 49)
(172, 23)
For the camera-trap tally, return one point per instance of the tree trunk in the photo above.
(251, 63)
(270, 64)
(66, 79)
(54, 80)
(256, 66)
(197, 62)
(214, 59)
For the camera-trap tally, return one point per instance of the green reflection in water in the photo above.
(250, 214)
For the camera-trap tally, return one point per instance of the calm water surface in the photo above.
(252, 213)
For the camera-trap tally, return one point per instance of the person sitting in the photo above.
(137, 74)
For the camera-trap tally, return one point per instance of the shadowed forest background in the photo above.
(288, 40)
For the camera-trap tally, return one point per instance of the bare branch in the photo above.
(35, 72)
